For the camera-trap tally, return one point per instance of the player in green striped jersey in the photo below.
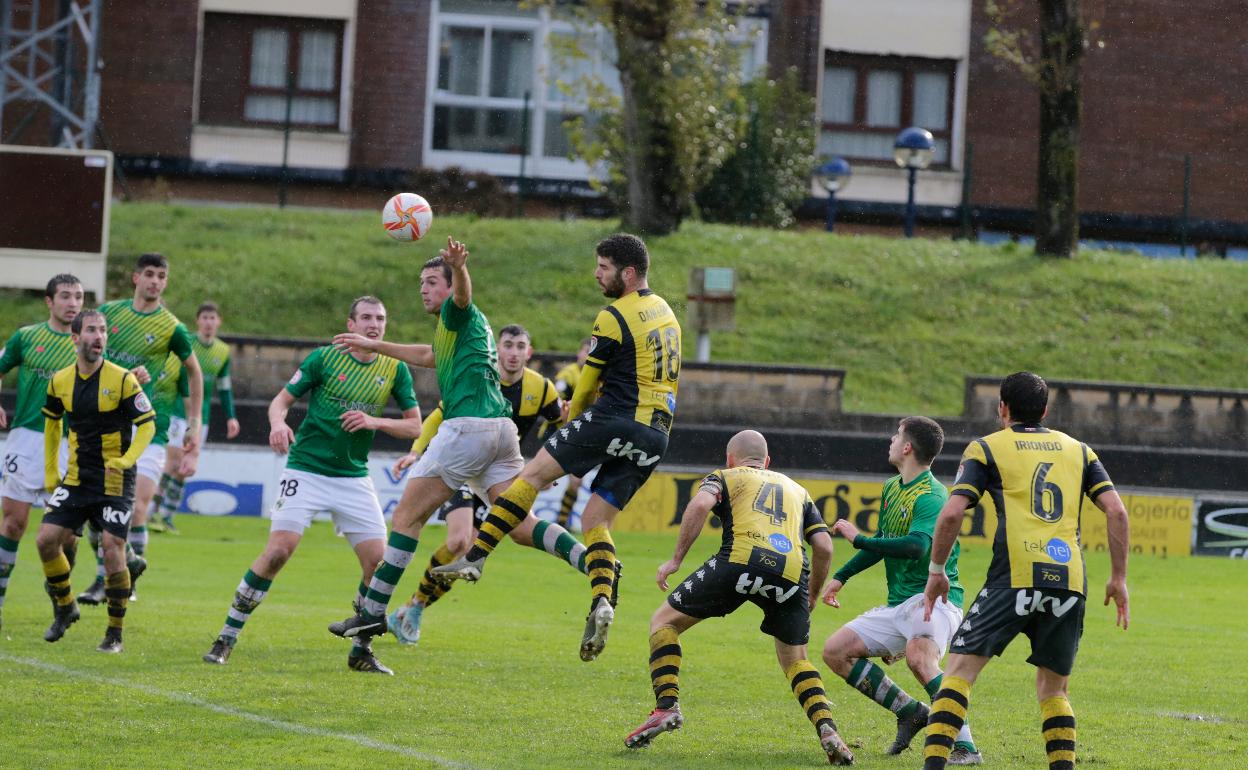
(214, 359)
(326, 466)
(909, 505)
(40, 350)
(141, 334)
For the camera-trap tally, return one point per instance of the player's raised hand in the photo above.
(455, 254)
(281, 437)
(349, 342)
(190, 442)
(937, 588)
(403, 463)
(140, 374)
(1117, 590)
(355, 420)
(665, 571)
(232, 428)
(846, 530)
(829, 593)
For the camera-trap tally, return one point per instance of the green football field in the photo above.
(496, 680)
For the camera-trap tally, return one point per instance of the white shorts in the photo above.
(151, 463)
(177, 432)
(477, 451)
(22, 466)
(352, 502)
(885, 630)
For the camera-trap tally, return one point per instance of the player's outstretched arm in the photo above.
(586, 387)
(691, 523)
(280, 434)
(415, 354)
(195, 402)
(143, 436)
(948, 524)
(820, 561)
(408, 427)
(456, 256)
(1116, 523)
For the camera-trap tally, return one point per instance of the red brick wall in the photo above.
(147, 88)
(1168, 81)
(793, 40)
(388, 106)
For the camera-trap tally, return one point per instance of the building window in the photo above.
(253, 65)
(867, 99)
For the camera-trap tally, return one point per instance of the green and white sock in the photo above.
(8, 560)
(556, 541)
(250, 592)
(138, 539)
(399, 551)
(870, 680)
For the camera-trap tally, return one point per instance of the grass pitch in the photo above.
(496, 681)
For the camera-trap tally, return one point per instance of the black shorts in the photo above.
(626, 450)
(464, 498)
(1051, 618)
(719, 587)
(69, 508)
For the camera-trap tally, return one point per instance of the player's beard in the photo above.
(614, 289)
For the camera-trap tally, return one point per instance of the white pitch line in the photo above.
(277, 724)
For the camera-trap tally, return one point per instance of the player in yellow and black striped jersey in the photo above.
(765, 516)
(1036, 479)
(104, 404)
(635, 356)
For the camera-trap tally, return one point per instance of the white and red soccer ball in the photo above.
(407, 217)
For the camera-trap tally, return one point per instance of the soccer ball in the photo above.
(406, 217)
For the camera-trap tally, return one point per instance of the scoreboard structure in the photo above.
(54, 215)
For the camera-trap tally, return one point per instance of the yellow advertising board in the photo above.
(1160, 525)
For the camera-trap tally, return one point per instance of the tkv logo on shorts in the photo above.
(116, 516)
(626, 451)
(1057, 550)
(1050, 575)
(1029, 602)
(754, 585)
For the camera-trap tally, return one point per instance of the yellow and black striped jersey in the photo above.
(766, 516)
(636, 344)
(101, 410)
(566, 379)
(532, 396)
(1035, 480)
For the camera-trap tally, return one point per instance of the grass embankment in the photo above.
(907, 319)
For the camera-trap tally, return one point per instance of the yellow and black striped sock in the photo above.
(117, 593)
(509, 509)
(665, 667)
(1059, 732)
(808, 687)
(56, 570)
(431, 587)
(567, 504)
(948, 716)
(600, 558)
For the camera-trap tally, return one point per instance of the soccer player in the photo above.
(40, 350)
(532, 397)
(104, 405)
(635, 353)
(327, 466)
(1037, 479)
(142, 333)
(908, 508)
(565, 381)
(214, 361)
(765, 516)
(476, 444)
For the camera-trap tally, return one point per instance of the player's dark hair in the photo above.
(514, 330)
(210, 307)
(925, 436)
(446, 269)
(75, 325)
(57, 281)
(367, 299)
(625, 250)
(151, 259)
(1026, 395)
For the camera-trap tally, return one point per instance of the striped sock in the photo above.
(566, 505)
(138, 539)
(509, 509)
(361, 590)
(8, 560)
(555, 540)
(870, 680)
(665, 667)
(171, 495)
(399, 551)
(432, 587)
(948, 716)
(250, 592)
(57, 572)
(600, 555)
(1059, 732)
(964, 739)
(117, 593)
(808, 687)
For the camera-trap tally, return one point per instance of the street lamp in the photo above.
(912, 151)
(832, 176)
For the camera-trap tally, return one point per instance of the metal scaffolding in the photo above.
(41, 66)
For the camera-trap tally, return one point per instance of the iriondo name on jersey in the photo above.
(1037, 480)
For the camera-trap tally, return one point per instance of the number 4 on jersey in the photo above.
(770, 502)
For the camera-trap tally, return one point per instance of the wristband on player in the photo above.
(935, 569)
